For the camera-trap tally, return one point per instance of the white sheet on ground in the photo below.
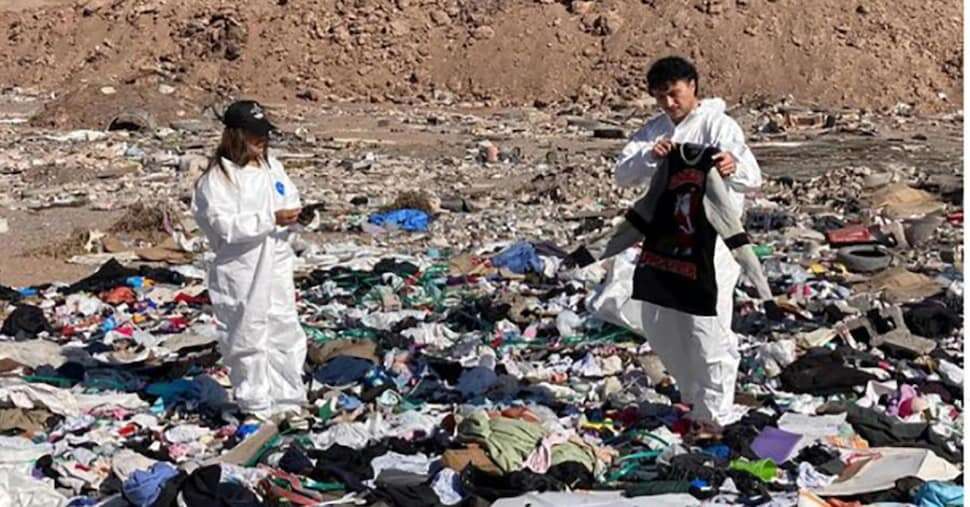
(894, 463)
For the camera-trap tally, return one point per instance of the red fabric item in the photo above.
(681, 427)
(201, 299)
(177, 324)
(628, 417)
(851, 235)
(226, 431)
(128, 430)
(955, 218)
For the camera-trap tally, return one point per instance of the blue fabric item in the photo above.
(245, 430)
(158, 408)
(144, 486)
(112, 380)
(342, 370)
(280, 188)
(939, 494)
(108, 324)
(348, 402)
(135, 282)
(27, 292)
(81, 501)
(699, 483)
(476, 381)
(519, 258)
(720, 450)
(175, 391)
(209, 392)
(407, 219)
(376, 377)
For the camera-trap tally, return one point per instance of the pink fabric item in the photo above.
(116, 413)
(177, 451)
(903, 398)
(541, 458)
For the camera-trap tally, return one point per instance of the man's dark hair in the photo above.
(667, 71)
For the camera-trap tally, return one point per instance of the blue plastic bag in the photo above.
(411, 220)
(519, 258)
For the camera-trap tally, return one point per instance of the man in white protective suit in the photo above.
(245, 204)
(685, 118)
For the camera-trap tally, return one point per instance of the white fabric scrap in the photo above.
(33, 353)
(416, 464)
(22, 490)
(809, 478)
(355, 435)
(386, 320)
(437, 335)
(447, 485)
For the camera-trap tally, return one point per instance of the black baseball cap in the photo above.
(247, 115)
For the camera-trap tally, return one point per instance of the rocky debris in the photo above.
(218, 34)
(308, 50)
(483, 32)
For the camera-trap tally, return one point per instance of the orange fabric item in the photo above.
(119, 295)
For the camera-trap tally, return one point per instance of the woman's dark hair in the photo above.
(669, 70)
(233, 147)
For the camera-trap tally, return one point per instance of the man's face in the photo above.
(677, 99)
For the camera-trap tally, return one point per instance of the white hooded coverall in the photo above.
(700, 352)
(251, 284)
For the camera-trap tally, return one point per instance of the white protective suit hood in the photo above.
(710, 106)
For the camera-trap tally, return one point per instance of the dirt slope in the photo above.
(868, 53)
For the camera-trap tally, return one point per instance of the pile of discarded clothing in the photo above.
(497, 377)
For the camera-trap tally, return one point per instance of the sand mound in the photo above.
(871, 53)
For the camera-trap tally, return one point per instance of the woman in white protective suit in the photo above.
(700, 351)
(244, 204)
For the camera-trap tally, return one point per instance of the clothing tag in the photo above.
(280, 189)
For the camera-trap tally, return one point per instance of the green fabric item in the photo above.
(268, 446)
(571, 451)
(508, 441)
(318, 335)
(408, 405)
(322, 486)
(640, 455)
(765, 469)
(763, 251)
(654, 488)
(326, 411)
(630, 463)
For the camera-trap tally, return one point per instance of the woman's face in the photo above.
(256, 145)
